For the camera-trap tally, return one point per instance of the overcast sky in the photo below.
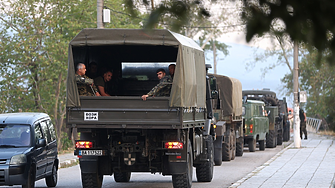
(234, 65)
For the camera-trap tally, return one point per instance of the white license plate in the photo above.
(90, 152)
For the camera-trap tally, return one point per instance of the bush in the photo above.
(65, 142)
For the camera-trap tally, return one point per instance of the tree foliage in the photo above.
(192, 19)
(319, 83)
(309, 22)
(33, 51)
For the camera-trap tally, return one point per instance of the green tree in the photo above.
(33, 58)
(319, 83)
(309, 22)
(192, 23)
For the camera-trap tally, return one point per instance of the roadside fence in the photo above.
(313, 124)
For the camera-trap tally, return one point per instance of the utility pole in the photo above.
(296, 133)
(214, 56)
(100, 4)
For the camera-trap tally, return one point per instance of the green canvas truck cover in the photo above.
(190, 73)
(230, 90)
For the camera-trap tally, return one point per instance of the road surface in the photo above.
(224, 175)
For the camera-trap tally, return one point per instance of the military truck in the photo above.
(256, 124)
(227, 109)
(272, 105)
(121, 134)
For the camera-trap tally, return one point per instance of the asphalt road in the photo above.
(224, 175)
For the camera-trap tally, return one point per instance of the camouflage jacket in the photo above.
(84, 85)
(163, 88)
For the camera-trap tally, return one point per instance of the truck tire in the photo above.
(226, 154)
(218, 157)
(185, 180)
(233, 144)
(204, 171)
(91, 180)
(261, 145)
(271, 139)
(218, 151)
(122, 176)
(286, 134)
(239, 147)
(252, 145)
(280, 138)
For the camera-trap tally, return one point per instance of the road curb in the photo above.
(68, 163)
(267, 163)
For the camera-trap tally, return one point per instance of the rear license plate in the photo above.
(90, 152)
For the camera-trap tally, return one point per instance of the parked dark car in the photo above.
(28, 149)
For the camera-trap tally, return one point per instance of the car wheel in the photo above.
(51, 181)
(31, 178)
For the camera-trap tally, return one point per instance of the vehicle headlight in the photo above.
(18, 159)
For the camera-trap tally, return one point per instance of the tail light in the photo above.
(84, 144)
(250, 127)
(174, 145)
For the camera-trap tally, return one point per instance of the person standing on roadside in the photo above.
(302, 117)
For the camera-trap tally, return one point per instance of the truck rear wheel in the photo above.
(204, 171)
(261, 145)
(252, 145)
(218, 151)
(271, 139)
(233, 145)
(226, 154)
(185, 180)
(239, 147)
(122, 176)
(280, 138)
(91, 180)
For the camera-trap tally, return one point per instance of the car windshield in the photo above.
(14, 135)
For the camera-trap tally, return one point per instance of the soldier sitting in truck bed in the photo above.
(161, 89)
(85, 84)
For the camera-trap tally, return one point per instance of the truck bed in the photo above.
(132, 112)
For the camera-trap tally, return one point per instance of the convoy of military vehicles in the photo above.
(206, 119)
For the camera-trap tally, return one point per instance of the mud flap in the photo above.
(178, 167)
(89, 165)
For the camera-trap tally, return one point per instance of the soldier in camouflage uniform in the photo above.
(302, 117)
(85, 84)
(161, 89)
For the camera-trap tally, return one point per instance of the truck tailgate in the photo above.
(123, 112)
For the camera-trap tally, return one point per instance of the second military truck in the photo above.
(122, 134)
(256, 124)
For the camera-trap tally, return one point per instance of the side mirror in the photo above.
(243, 110)
(41, 143)
(245, 98)
(269, 112)
(213, 83)
(214, 94)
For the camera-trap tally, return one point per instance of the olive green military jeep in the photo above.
(256, 124)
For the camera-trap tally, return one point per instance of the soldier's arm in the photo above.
(305, 117)
(87, 81)
(166, 81)
(95, 90)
